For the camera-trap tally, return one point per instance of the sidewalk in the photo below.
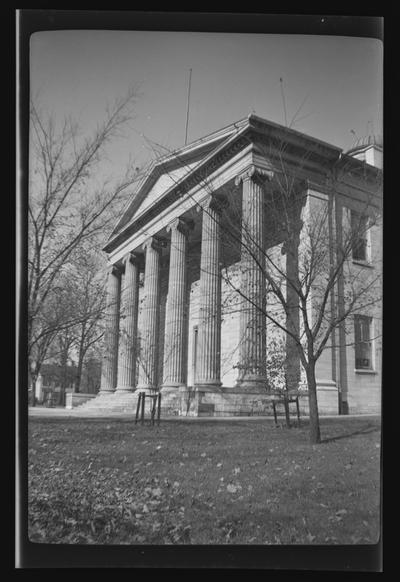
(59, 412)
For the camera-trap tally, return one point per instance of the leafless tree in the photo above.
(313, 287)
(317, 288)
(90, 307)
(68, 206)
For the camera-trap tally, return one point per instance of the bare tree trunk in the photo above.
(81, 356)
(79, 375)
(315, 433)
(33, 378)
(63, 365)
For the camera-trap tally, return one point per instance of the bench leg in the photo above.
(142, 412)
(274, 408)
(287, 413)
(153, 408)
(138, 407)
(159, 408)
(298, 410)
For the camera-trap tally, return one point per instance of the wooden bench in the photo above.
(284, 397)
(154, 397)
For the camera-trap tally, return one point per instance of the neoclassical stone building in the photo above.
(187, 296)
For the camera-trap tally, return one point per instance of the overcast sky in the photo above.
(335, 81)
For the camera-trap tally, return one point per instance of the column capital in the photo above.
(254, 173)
(217, 202)
(302, 185)
(155, 242)
(113, 270)
(133, 258)
(182, 224)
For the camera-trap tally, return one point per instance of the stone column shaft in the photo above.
(149, 340)
(175, 324)
(208, 365)
(252, 349)
(128, 324)
(110, 353)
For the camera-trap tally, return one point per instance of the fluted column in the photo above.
(175, 324)
(148, 357)
(252, 348)
(128, 324)
(208, 365)
(110, 354)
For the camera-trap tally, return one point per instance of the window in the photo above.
(363, 342)
(359, 228)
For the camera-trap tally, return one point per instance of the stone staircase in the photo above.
(125, 403)
(112, 403)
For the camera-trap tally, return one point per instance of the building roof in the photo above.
(168, 176)
(365, 142)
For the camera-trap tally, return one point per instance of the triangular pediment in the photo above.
(172, 174)
(168, 172)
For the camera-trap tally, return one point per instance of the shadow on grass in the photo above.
(367, 430)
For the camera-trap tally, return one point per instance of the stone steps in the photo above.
(106, 403)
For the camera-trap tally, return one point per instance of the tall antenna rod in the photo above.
(188, 102)
(283, 99)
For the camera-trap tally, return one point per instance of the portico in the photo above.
(131, 356)
(187, 310)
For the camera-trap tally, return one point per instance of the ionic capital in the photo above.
(216, 202)
(182, 224)
(133, 258)
(254, 173)
(113, 270)
(155, 242)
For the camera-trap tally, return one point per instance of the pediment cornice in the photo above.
(275, 143)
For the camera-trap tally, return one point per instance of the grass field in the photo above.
(103, 481)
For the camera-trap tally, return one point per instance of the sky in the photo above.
(331, 85)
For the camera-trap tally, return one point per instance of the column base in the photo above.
(124, 389)
(252, 382)
(146, 388)
(207, 386)
(106, 390)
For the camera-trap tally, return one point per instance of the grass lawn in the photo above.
(103, 481)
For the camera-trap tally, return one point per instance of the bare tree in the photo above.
(312, 285)
(317, 288)
(90, 304)
(67, 207)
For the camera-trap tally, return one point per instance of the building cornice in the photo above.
(277, 144)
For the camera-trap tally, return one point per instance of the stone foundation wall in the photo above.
(231, 401)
